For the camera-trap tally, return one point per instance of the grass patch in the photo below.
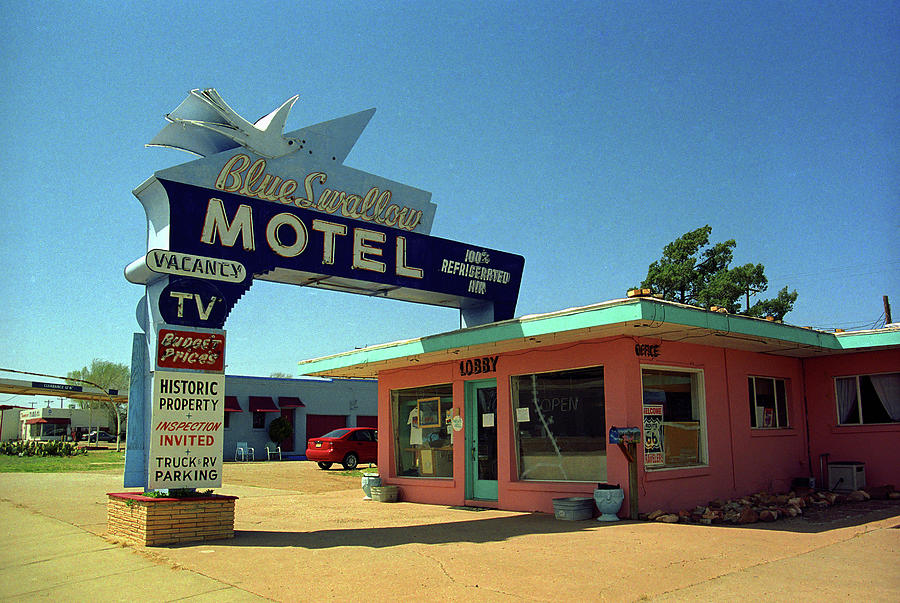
(359, 471)
(92, 461)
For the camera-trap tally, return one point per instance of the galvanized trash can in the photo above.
(574, 508)
(384, 493)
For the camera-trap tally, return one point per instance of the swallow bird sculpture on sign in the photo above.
(204, 124)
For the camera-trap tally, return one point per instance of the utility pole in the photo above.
(887, 310)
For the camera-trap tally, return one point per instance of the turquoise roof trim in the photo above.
(640, 312)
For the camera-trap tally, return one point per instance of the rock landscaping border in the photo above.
(766, 507)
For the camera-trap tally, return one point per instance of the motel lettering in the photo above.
(287, 235)
(249, 179)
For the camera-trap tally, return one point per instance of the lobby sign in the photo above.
(187, 430)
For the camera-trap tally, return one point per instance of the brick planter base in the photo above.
(148, 521)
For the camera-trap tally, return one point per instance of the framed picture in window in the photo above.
(429, 412)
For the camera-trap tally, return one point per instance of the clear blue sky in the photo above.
(581, 135)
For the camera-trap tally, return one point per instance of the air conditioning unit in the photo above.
(846, 476)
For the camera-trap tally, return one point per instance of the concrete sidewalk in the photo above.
(330, 544)
(45, 558)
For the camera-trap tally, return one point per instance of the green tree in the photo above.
(105, 375)
(691, 271)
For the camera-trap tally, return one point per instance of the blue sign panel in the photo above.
(284, 243)
(190, 301)
(621, 435)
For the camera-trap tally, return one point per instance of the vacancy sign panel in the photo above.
(187, 430)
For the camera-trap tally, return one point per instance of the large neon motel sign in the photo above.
(290, 244)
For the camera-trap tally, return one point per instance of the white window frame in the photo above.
(513, 396)
(787, 419)
(859, 418)
(698, 381)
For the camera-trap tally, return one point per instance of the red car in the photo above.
(348, 446)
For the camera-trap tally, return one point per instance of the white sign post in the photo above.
(187, 430)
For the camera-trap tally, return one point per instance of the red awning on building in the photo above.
(262, 404)
(52, 421)
(232, 404)
(290, 402)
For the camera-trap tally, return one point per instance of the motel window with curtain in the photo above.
(868, 399)
(768, 403)
(560, 422)
(674, 418)
(423, 436)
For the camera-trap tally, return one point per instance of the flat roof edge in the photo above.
(649, 311)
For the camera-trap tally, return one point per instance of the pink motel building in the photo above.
(513, 414)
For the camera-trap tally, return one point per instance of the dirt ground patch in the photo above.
(296, 476)
(304, 477)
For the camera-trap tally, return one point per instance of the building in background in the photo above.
(50, 424)
(313, 406)
(10, 428)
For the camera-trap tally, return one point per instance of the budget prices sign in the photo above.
(187, 430)
(190, 350)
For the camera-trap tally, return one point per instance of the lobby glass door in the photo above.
(481, 439)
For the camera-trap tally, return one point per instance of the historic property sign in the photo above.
(187, 429)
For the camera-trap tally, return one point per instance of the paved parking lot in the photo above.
(304, 534)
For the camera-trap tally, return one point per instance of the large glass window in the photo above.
(674, 408)
(53, 430)
(768, 403)
(561, 425)
(867, 399)
(423, 437)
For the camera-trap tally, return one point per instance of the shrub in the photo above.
(179, 493)
(34, 448)
(280, 429)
